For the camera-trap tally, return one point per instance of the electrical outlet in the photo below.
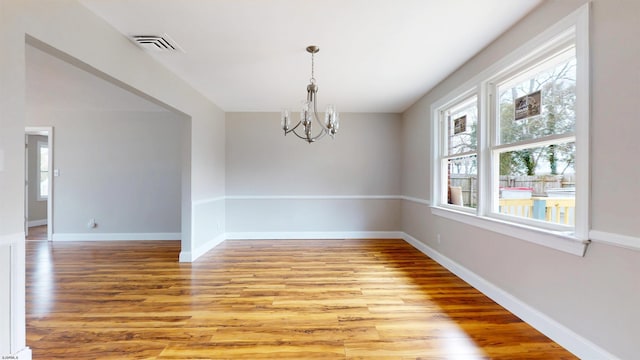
(92, 224)
(438, 238)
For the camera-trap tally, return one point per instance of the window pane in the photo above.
(539, 183)
(462, 127)
(463, 181)
(540, 105)
(44, 158)
(44, 184)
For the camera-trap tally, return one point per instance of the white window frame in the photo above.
(40, 145)
(535, 50)
(443, 156)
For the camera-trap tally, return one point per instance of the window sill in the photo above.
(551, 239)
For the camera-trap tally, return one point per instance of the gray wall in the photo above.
(119, 155)
(595, 296)
(121, 168)
(360, 164)
(37, 209)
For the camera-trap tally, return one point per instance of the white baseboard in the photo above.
(306, 235)
(191, 256)
(557, 332)
(33, 223)
(115, 236)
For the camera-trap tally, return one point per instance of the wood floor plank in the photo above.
(284, 299)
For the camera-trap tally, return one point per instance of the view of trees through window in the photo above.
(536, 141)
(557, 116)
(534, 146)
(512, 143)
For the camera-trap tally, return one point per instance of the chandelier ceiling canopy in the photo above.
(309, 113)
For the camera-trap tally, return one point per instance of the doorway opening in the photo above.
(39, 174)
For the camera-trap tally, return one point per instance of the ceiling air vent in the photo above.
(156, 42)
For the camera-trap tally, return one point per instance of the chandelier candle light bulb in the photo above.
(309, 112)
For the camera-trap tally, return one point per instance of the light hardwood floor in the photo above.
(347, 299)
(37, 233)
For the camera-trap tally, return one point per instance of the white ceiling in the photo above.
(375, 55)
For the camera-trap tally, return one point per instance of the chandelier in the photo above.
(309, 114)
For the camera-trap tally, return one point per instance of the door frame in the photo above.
(48, 132)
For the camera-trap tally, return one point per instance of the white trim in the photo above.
(315, 197)
(10, 239)
(17, 282)
(583, 108)
(115, 236)
(314, 235)
(207, 201)
(186, 257)
(311, 197)
(33, 223)
(554, 240)
(22, 354)
(17, 302)
(416, 200)
(624, 241)
(191, 256)
(557, 332)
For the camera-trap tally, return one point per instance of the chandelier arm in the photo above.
(319, 136)
(301, 137)
(306, 138)
(293, 128)
(310, 139)
(315, 112)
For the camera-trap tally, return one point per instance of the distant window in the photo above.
(43, 170)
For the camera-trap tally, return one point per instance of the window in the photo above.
(43, 170)
(533, 148)
(511, 145)
(459, 125)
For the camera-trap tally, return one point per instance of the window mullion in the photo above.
(459, 155)
(485, 110)
(539, 142)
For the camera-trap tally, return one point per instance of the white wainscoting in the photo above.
(15, 244)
